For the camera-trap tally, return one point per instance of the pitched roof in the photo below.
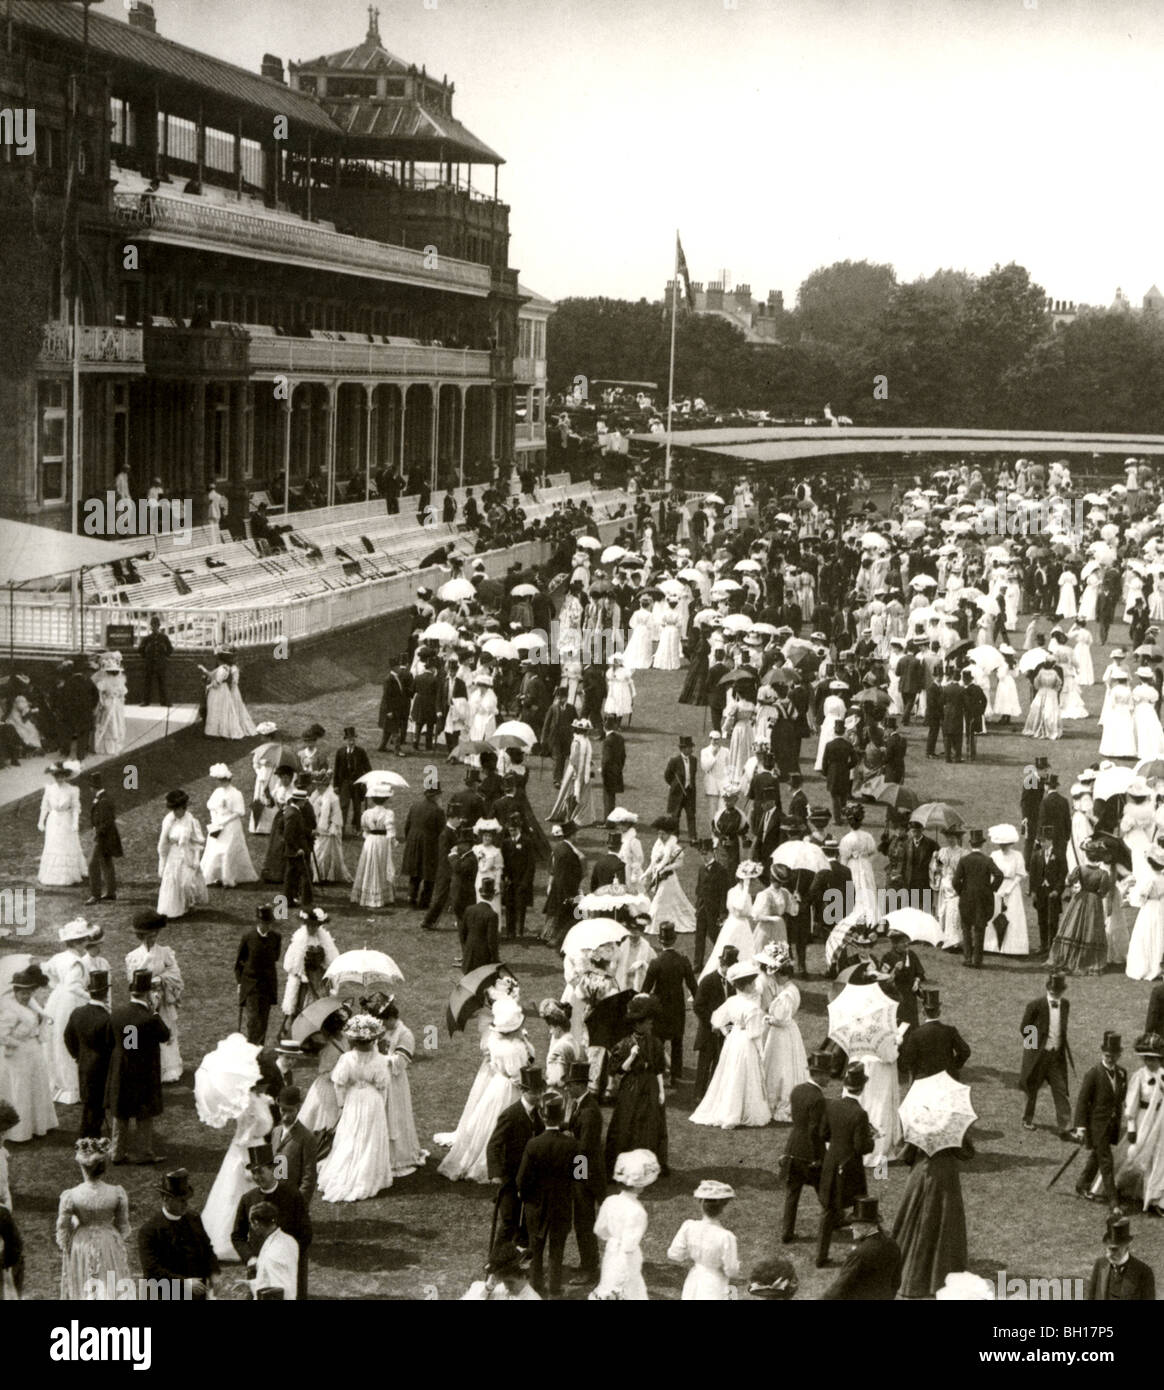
(369, 56)
(406, 120)
(124, 42)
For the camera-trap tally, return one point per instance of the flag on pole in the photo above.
(681, 269)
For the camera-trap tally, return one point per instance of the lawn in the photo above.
(426, 1237)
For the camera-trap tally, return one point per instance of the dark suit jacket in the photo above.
(89, 1039)
(826, 883)
(681, 775)
(176, 1248)
(613, 761)
(1048, 873)
(519, 865)
(806, 1138)
(711, 889)
(607, 867)
(349, 765)
(953, 707)
(837, 764)
(1099, 1105)
(514, 1129)
(1055, 811)
(133, 1089)
(1155, 1019)
(426, 690)
(768, 835)
(931, 1047)
(254, 966)
(545, 1179)
(565, 880)
(294, 1217)
(850, 1137)
(103, 819)
(710, 993)
(915, 869)
(1037, 1015)
(479, 925)
(935, 696)
(1135, 1282)
(871, 1272)
(586, 1127)
(976, 877)
(667, 976)
(296, 1150)
(394, 699)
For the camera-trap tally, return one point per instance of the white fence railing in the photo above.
(367, 359)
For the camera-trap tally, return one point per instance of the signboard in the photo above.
(120, 637)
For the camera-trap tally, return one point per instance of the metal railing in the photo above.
(98, 343)
(157, 212)
(368, 359)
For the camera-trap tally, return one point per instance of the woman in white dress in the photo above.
(620, 690)
(306, 962)
(25, 1039)
(832, 719)
(1004, 704)
(1090, 598)
(1071, 702)
(708, 1247)
(770, 910)
(1138, 823)
(1140, 1168)
(457, 719)
(510, 1052)
(784, 1061)
(18, 718)
(1081, 654)
(251, 1129)
(168, 985)
(669, 903)
(487, 854)
(62, 861)
(563, 1049)
(669, 653)
(735, 1096)
(1043, 719)
(621, 1226)
(1082, 824)
(575, 800)
(1146, 948)
(1119, 733)
(328, 864)
(630, 851)
(360, 1162)
(1114, 668)
(226, 859)
(571, 676)
(942, 868)
(482, 708)
(374, 882)
(68, 977)
(179, 853)
(109, 716)
(1009, 898)
(263, 800)
(640, 649)
(226, 714)
(1012, 597)
(1066, 606)
(737, 728)
(881, 1100)
(399, 1048)
(738, 928)
(1145, 720)
(856, 849)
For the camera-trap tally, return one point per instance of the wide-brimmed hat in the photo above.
(749, 868)
(712, 1190)
(1004, 834)
(76, 930)
(742, 970)
(220, 770)
(636, 1168)
(507, 1015)
(1149, 1045)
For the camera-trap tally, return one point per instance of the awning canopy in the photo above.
(38, 552)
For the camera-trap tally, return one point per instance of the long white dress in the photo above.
(738, 719)
(1146, 722)
(226, 714)
(640, 650)
(109, 716)
(620, 692)
(252, 1127)
(1119, 732)
(669, 652)
(631, 854)
(403, 1143)
(738, 928)
(226, 859)
(328, 864)
(374, 882)
(1009, 898)
(62, 861)
(24, 1070)
(784, 1061)
(832, 722)
(621, 1225)
(264, 788)
(881, 1099)
(1071, 702)
(949, 913)
(1146, 947)
(857, 849)
(162, 964)
(1084, 666)
(735, 1095)
(711, 1251)
(1006, 697)
(1066, 606)
(68, 976)
(1143, 1163)
(360, 1162)
(179, 868)
(508, 1053)
(668, 902)
(482, 713)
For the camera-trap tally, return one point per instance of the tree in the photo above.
(1003, 321)
(843, 304)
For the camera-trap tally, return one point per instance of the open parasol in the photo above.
(917, 925)
(314, 1016)
(358, 972)
(469, 994)
(608, 899)
(613, 553)
(1111, 781)
(223, 1081)
(1149, 768)
(383, 776)
(594, 931)
(529, 641)
(515, 728)
(524, 591)
(899, 798)
(936, 1113)
(606, 1023)
(501, 650)
(863, 1019)
(456, 590)
(439, 632)
(937, 815)
(1030, 661)
(588, 543)
(737, 622)
(276, 754)
(987, 659)
(800, 854)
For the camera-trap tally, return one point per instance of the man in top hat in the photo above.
(106, 844)
(479, 929)
(976, 880)
(613, 764)
(608, 867)
(1099, 1107)
(805, 1150)
(546, 1178)
(1118, 1276)
(519, 867)
(710, 993)
(275, 1271)
(896, 747)
(830, 894)
(298, 844)
(798, 807)
(422, 834)
(256, 975)
(1048, 883)
(715, 879)
(567, 866)
(584, 1118)
(426, 706)
(837, 764)
(173, 1244)
(872, 1270)
(133, 1088)
(849, 1137)
(974, 706)
(291, 1209)
(74, 703)
(668, 975)
(515, 1127)
(680, 777)
(155, 651)
(769, 830)
(911, 680)
(1030, 800)
(915, 869)
(729, 826)
(394, 704)
(89, 1039)
(1046, 1052)
(935, 693)
(351, 763)
(933, 1046)
(295, 1148)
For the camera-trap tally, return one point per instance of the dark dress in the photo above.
(694, 690)
(534, 830)
(275, 863)
(930, 1226)
(639, 1120)
(1081, 942)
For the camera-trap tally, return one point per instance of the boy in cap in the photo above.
(1099, 1107)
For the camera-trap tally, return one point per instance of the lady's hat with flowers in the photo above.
(90, 1150)
(363, 1028)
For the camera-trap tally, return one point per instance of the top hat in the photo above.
(579, 1073)
(819, 816)
(99, 982)
(142, 982)
(266, 913)
(271, 1295)
(931, 997)
(532, 1079)
(1056, 982)
(176, 1184)
(1117, 1231)
(820, 1060)
(290, 1095)
(1052, 779)
(1042, 761)
(1112, 1042)
(667, 934)
(865, 1209)
(260, 1155)
(977, 837)
(686, 741)
(349, 731)
(855, 1076)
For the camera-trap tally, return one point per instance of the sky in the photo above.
(780, 135)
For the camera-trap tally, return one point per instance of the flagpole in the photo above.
(671, 375)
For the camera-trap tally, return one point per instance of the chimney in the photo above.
(141, 16)
(272, 67)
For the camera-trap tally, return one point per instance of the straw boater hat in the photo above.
(636, 1168)
(712, 1190)
(76, 930)
(749, 868)
(742, 970)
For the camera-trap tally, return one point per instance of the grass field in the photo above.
(426, 1237)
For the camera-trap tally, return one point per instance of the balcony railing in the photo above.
(368, 359)
(111, 348)
(155, 215)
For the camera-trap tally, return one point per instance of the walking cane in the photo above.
(1067, 1162)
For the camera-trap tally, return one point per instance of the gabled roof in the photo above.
(114, 40)
(403, 121)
